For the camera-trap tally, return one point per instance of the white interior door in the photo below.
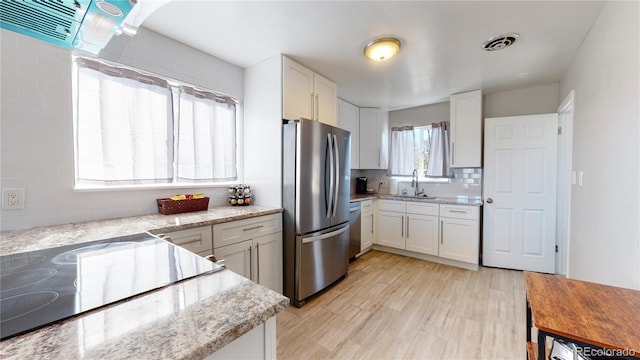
(519, 187)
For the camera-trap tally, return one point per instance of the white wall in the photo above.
(528, 101)
(421, 115)
(605, 212)
(263, 130)
(37, 125)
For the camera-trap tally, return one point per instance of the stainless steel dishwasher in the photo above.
(354, 229)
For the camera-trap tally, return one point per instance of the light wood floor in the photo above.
(395, 307)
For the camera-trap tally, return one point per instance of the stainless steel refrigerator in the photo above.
(315, 196)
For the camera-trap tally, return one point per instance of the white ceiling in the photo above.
(441, 52)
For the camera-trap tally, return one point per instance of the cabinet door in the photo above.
(466, 129)
(350, 120)
(459, 240)
(422, 234)
(391, 229)
(326, 94)
(267, 265)
(297, 91)
(366, 230)
(374, 128)
(237, 257)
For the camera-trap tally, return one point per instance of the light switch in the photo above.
(580, 176)
(573, 178)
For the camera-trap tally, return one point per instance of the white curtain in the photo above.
(125, 144)
(439, 151)
(206, 139)
(402, 157)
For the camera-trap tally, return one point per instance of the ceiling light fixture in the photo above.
(382, 49)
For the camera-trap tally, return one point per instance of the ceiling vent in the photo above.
(500, 42)
(77, 24)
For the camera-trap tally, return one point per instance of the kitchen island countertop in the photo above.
(187, 320)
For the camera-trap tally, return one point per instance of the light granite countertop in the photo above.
(460, 200)
(17, 241)
(187, 320)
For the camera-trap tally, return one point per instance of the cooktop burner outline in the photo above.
(19, 305)
(22, 278)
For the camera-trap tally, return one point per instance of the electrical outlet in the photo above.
(12, 199)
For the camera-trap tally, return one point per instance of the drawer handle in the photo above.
(458, 211)
(195, 241)
(213, 259)
(253, 228)
(164, 237)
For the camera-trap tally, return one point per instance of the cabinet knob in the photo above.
(489, 200)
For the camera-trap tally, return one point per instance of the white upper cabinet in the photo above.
(307, 94)
(466, 129)
(349, 119)
(325, 96)
(374, 138)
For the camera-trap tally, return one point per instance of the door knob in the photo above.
(489, 200)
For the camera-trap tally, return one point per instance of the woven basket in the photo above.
(168, 206)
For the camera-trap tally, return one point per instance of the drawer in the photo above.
(460, 212)
(197, 240)
(392, 205)
(366, 206)
(422, 208)
(235, 231)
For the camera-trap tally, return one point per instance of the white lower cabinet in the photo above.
(366, 225)
(422, 234)
(252, 248)
(391, 229)
(460, 233)
(439, 230)
(411, 226)
(259, 343)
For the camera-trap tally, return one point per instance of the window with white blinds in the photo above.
(132, 128)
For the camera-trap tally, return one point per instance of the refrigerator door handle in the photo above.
(337, 174)
(325, 236)
(331, 175)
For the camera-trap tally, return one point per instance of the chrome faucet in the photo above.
(414, 182)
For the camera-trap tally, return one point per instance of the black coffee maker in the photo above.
(361, 185)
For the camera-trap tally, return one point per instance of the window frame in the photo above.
(175, 86)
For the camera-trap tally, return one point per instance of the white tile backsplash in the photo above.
(466, 182)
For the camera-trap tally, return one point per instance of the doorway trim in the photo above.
(565, 180)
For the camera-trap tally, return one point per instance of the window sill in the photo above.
(92, 188)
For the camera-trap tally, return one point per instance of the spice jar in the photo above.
(233, 200)
(240, 199)
(247, 199)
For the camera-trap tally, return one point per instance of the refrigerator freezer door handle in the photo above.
(325, 236)
(331, 175)
(337, 174)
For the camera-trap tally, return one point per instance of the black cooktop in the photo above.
(40, 287)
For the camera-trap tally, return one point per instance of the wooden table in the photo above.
(594, 316)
